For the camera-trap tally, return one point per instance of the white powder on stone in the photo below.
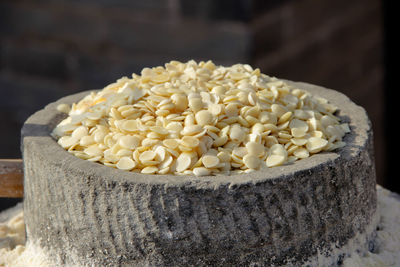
(15, 253)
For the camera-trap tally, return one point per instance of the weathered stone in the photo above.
(85, 213)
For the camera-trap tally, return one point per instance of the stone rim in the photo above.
(45, 120)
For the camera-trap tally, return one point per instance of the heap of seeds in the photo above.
(199, 118)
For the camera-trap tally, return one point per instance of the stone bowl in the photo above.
(86, 214)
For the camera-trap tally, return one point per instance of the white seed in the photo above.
(190, 141)
(126, 163)
(149, 170)
(204, 117)
(93, 151)
(275, 160)
(80, 132)
(298, 141)
(251, 161)
(210, 161)
(87, 140)
(129, 142)
(316, 144)
(301, 153)
(237, 134)
(255, 149)
(171, 143)
(67, 141)
(130, 126)
(147, 156)
(183, 162)
(201, 171)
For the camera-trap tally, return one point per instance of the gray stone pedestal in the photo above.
(88, 214)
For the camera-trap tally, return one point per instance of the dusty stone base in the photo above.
(87, 213)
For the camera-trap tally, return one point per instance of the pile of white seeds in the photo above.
(199, 118)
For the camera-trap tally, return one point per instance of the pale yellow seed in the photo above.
(285, 117)
(251, 161)
(210, 161)
(87, 140)
(196, 104)
(147, 156)
(298, 141)
(67, 141)
(149, 170)
(192, 130)
(254, 149)
(171, 143)
(240, 151)
(79, 132)
(201, 171)
(93, 151)
(220, 141)
(130, 126)
(164, 171)
(275, 160)
(278, 110)
(231, 110)
(278, 149)
(159, 130)
(190, 141)
(204, 117)
(237, 134)
(126, 163)
(183, 162)
(129, 142)
(224, 156)
(316, 144)
(166, 162)
(215, 109)
(301, 153)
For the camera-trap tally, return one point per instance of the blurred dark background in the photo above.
(49, 49)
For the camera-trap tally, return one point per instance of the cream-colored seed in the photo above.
(171, 143)
(129, 142)
(87, 140)
(126, 163)
(147, 156)
(79, 132)
(298, 141)
(301, 153)
(198, 118)
(190, 141)
(67, 141)
(149, 170)
(201, 171)
(255, 149)
(183, 162)
(204, 117)
(210, 161)
(196, 104)
(237, 134)
(316, 144)
(93, 151)
(129, 126)
(251, 161)
(275, 160)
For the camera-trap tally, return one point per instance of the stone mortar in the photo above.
(87, 214)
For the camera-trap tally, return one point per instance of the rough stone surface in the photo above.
(90, 214)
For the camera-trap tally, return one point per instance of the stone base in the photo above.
(92, 215)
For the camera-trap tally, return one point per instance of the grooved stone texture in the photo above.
(88, 214)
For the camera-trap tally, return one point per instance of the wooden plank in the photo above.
(11, 178)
